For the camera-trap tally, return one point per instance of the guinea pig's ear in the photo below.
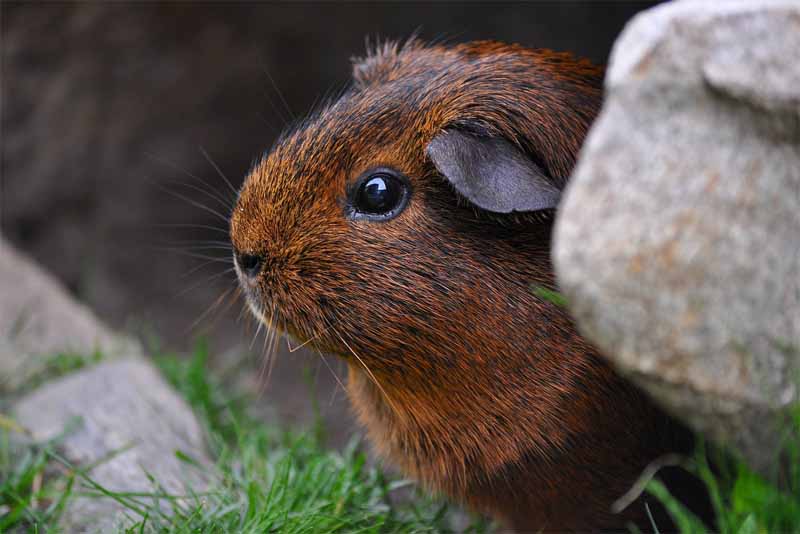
(492, 173)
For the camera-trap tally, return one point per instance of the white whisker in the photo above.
(219, 171)
(208, 310)
(207, 281)
(369, 372)
(335, 376)
(316, 336)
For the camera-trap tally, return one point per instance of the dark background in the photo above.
(106, 112)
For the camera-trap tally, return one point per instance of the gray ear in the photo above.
(492, 173)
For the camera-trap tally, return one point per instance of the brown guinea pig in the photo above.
(403, 227)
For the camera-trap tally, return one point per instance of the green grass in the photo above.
(549, 295)
(272, 480)
(266, 479)
(59, 365)
(33, 488)
(744, 502)
(39, 369)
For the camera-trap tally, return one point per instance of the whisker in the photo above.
(273, 355)
(211, 190)
(335, 377)
(248, 318)
(208, 310)
(369, 372)
(259, 325)
(235, 296)
(182, 242)
(280, 95)
(194, 203)
(278, 92)
(196, 268)
(284, 119)
(231, 300)
(212, 194)
(208, 280)
(264, 355)
(193, 226)
(220, 259)
(341, 367)
(219, 171)
(194, 247)
(294, 349)
(269, 124)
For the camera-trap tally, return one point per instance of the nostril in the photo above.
(250, 264)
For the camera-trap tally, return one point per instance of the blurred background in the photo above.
(118, 120)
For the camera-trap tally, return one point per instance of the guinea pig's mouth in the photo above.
(268, 316)
(267, 310)
(274, 320)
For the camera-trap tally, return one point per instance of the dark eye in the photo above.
(379, 195)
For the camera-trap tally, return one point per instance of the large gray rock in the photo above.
(678, 242)
(131, 425)
(39, 319)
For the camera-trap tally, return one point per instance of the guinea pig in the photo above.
(403, 228)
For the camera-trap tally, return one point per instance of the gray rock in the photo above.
(124, 406)
(38, 319)
(678, 242)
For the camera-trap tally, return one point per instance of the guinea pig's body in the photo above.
(463, 375)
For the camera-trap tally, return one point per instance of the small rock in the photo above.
(678, 242)
(124, 406)
(39, 319)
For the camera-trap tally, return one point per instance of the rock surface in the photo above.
(38, 319)
(678, 242)
(132, 423)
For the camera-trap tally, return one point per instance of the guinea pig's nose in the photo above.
(249, 264)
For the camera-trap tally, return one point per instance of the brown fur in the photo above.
(463, 377)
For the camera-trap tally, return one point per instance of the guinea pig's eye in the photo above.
(379, 195)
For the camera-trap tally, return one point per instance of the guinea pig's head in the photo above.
(404, 214)
(403, 226)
